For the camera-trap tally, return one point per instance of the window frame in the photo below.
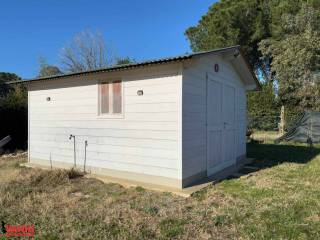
(110, 115)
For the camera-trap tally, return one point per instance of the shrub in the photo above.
(13, 112)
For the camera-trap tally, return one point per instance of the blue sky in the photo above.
(140, 29)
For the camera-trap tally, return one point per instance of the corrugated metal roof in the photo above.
(134, 65)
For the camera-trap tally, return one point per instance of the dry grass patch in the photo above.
(278, 202)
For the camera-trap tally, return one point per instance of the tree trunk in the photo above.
(282, 121)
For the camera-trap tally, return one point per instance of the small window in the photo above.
(110, 97)
(104, 98)
(117, 97)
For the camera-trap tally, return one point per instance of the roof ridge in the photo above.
(133, 65)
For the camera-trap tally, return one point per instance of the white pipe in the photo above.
(85, 155)
(74, 149)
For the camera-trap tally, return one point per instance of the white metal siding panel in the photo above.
(145, 140)
(194, 111)
(242, 122)
(194, 121)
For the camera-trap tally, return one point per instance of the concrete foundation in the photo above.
(137, 177)
(202, 176)
(183, 187)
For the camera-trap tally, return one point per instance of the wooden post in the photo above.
(282, 121)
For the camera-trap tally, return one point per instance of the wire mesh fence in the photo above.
(270, 122)
(263, 122)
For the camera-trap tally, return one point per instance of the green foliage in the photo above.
(291, 115)
(220, 220)
(296, 58)
(13, 111)
(4, 78)
(200, 195)
(140, 189)
(263, 109)
(172, 227)
(230, 22)
(123, 61)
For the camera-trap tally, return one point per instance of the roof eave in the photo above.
(133, 65)
(258, 88)
(111, 69)
(149, 63)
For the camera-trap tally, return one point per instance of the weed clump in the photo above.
(54, 178)
(140, 189)
(51, 178)
(172, 227)
(221, 220)
(74, 173)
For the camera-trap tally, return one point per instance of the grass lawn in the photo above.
(279, 201)
(265, 135)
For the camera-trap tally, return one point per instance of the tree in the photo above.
(123, 61)
(263, 108)
(296, 58)
(86, 52)
(247, 23)
(13, 111)
(231, 22)
(4, 78)
(280, 39)
(47, 70)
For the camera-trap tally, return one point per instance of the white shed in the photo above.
(168, 122)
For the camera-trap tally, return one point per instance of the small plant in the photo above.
(200, 195)
(74, 173)
(220, 220)
(140, 189)
(171, 227)
(152, 210)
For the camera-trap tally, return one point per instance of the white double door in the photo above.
(221, 125)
